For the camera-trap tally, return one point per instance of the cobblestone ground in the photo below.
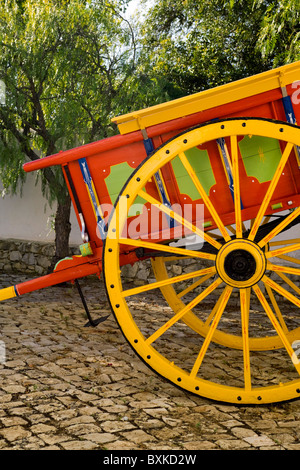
(64, 386)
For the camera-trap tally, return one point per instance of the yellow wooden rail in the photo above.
(208, 99)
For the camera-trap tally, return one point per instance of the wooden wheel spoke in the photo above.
(281, 290)
(166, 248)
(245, 306)
(281, 251)
(276, 308)
(213, 235)
(289, 282)
(172, 280)
(285, 242)
(270, 191)
(277, 326)
(231, 229)
(219, 312)
(213, 312)
(169, 259)
(236, 186)
(292, 216)
(290, 259)
(183, 311)
(203, 195)
(280, 227)
(283, 269)
(266, 219)
(194, 285)
(181, 220)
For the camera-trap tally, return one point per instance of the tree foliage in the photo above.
(280, 31)
(198, 45)
(70, 65)
(66, 66)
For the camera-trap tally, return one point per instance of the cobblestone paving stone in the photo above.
(67, 387)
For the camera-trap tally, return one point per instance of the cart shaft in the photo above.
(57, 277)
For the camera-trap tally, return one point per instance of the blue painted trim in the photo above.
(90, 185)
(149, 147)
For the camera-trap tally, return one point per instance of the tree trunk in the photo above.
(62, 230)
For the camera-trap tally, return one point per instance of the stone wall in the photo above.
(21, 256)
(34, 258)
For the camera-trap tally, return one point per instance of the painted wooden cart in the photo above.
(203, 195)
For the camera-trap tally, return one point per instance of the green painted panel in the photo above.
(199, 160)
(118, 176)
(261, 156)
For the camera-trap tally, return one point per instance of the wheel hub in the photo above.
(241, 263)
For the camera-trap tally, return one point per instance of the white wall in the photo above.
(28, 217)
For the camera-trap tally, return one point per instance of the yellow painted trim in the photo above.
(209, 99)
(7, 293)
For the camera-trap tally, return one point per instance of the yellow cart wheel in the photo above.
(173, 298)
(251, 285)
